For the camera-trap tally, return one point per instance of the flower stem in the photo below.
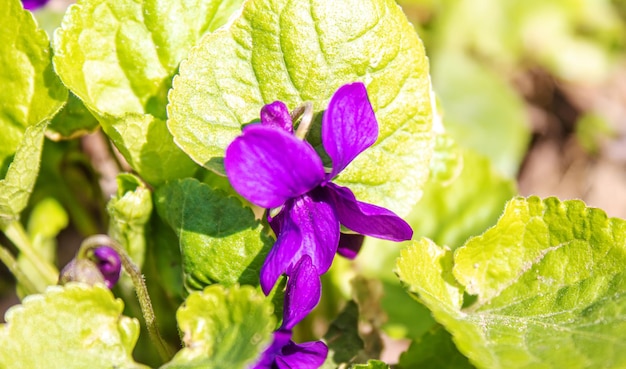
(132, 269)
(9, 260)
(306, 112)
(15, 232)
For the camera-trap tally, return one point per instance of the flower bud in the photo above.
(102, 266)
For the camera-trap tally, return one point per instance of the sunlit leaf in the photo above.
(119, 56)
(547, 285)
(220, 239)
(223, 328)
(296, 52)
(74, 326)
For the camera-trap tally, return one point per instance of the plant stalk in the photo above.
(9, 260)
(306, 112)
(132, 269)
(16, 233)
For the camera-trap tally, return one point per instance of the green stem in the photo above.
(306, 112)
(147, 311)
(7, 258)
(15, 232)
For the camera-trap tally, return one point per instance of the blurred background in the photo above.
(539, 87)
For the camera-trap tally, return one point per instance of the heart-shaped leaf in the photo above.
(301, 51)
(223, 328)
(119, 56)
(74, 326)
(220, 239)
(548, 282)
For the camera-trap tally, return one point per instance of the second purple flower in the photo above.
(272, 168)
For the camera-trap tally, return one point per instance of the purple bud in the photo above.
(102, 266)
(81, 270)
(350, 245)
(109, 264)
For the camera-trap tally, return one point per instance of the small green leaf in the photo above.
(342, 338)
(74, 120)
(46, 220)
(223, 328)
(220, 239)
(301, 51)
(16, 186)
(434, 350)
(549, 285)
(406, 318)
(74, 326)
(119, 56)
(129, 212)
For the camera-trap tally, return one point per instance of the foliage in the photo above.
(170, 87)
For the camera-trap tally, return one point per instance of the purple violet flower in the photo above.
(274, 169)
(33, 4)
(302, 295)
(109, 264)
(103, 265)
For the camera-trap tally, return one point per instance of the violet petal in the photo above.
(109, 264)
(268, 166)
(303, 293)
(277, 114)
(309, 227)
(367, 219)
(280, 340)
(307, 355)
(33, 4)
(349, 126)
(350, 245)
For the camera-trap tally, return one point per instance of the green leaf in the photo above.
(434, 350)
(223, 328)
(31, 95)
(220, 239)
(74, 120)
(119, 56)
(129, 212)
(301, 51)
(46, 220)
(74, 326)
(448, 214)
(406, 318)
(342, 338)
(548, 281)
(482, 111)
(165, 264)
(31, 92)
(67, 175)
(16, 186)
